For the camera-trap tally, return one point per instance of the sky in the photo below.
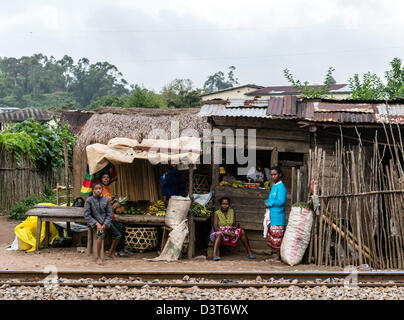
(153, 42)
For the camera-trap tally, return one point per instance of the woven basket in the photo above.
(141, 239)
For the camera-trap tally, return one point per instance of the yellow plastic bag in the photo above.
(26, 233)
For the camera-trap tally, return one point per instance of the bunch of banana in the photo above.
(267, 184)
(199, 210)
(224, 183)
(156, 208)
(238, 184)
(161, 213)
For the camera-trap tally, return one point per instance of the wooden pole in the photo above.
(66, 172)
(191, 226)
(274, 157)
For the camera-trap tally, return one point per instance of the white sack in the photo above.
(177, 210)
(297, 235)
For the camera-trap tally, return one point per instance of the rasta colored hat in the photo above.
(90, 179)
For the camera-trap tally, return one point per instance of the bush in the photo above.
(19, 210)
(40, 141)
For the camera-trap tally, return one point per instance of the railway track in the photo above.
(202, 279)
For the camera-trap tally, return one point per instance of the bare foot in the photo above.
(99, 261)
(111, 255)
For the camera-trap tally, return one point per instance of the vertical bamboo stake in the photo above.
(191, 237)
(66, 172)
(313, 229)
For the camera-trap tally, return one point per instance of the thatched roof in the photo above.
(136, 123)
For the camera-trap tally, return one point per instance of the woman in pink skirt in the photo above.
(224, 230)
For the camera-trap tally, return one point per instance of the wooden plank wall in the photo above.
(18, 181)
(285, 135)
(247, 203)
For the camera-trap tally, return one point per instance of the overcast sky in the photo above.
(153, 42)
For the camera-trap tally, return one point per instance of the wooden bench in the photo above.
(74, 214)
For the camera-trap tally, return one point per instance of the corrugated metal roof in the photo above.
(24, 114)
(286, 90)
(254, 86)
(223, 111)
(316, 110)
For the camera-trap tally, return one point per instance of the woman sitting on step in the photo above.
(224, 230)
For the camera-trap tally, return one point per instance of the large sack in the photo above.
(173, 246)
(177, 210)
(297, 235)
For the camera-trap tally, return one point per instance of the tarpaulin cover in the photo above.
(26, 233)
(124, 150)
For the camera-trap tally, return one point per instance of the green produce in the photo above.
(199, 210)
(238, 184)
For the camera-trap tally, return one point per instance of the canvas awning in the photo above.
(123, 150)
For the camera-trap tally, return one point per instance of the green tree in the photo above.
(395, 79)
(38, 80)
(180, 93)
(142, 98)
(370, 88)
(218, 81)
(110, 100)
(320, 91)
(93, 81)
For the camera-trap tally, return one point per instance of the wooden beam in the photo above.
(274, 157)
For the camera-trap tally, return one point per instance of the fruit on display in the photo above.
(118, 205)
(267, 184)
(133, 210)
(224, 183)
(199, 210)
(158, 208)
(238, 184)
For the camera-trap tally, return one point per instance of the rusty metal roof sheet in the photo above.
(316, 110)
(221, 110)
(291, 90)
(24, 114)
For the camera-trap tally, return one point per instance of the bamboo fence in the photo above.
(20, 180)
(361, 192)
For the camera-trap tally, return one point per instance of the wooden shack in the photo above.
(287, 131)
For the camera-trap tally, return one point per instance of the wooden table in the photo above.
(74, 214)
(54, 213)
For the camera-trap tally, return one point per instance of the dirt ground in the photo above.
(71, 259)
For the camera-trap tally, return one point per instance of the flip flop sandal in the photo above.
(216, 258)
(129, 253)
(122, 254)
(251, 256)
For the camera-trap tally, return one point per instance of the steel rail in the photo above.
(361, 276)
(200, 285)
